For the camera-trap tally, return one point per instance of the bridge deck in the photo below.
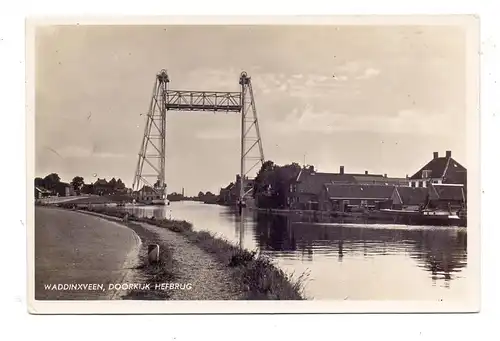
(203, 107)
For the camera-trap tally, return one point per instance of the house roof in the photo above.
(101, 182)
(42, 190)
(228, 187)
(376, 179)
(446, 192)
(439, 167)
(358, 191)
(412, 195)
(312, 183)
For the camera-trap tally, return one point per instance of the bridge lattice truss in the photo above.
(150, 170)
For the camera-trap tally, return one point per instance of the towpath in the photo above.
(74, 247)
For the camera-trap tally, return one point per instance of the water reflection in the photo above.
(356, 260)
(441, 252)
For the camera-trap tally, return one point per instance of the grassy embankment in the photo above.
(258, 277)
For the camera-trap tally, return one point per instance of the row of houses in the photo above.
(104, 187)
(349, 197)
(441, 183)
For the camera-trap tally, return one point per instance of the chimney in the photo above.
(385, 175)
(366, 172)
(407, 177)
(448, 153)
(341, 169)
(436, 155)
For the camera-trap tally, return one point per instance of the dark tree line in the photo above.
(52, 183)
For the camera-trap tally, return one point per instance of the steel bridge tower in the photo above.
(153, 148)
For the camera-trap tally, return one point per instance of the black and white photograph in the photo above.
(314, 162)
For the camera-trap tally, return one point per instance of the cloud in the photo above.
(207, 79)
(341, 78)
(369, 73)
(349, 67)
(406, 121)
(298, 85)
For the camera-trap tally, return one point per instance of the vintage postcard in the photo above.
(253, 165)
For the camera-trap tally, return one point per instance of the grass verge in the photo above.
(259, 278)
(161, 272)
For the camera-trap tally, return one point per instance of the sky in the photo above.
(374, 98)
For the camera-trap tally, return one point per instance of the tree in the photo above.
(200, 194)
(39, 182)
(77, 183)
(272, 182)
(51, 181)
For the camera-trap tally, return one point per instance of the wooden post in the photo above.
(153, 253)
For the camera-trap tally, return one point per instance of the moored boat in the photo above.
(426, 217)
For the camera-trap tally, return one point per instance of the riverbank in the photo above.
(190, 252)
(366, 217)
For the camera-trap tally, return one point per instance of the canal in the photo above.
(343, 261)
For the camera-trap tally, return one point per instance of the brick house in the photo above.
(409, 198)
(304, 191)
(345, 197)
(440, 170)
(227, 195)
(63, 189)
(149, 195)
(447, 197)
(101, 187)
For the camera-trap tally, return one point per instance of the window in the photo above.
(419, 184)
(412, 183)
(426, 174)
(364, 202)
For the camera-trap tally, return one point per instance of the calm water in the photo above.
(343, 261)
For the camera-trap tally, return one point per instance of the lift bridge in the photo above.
(150, 169)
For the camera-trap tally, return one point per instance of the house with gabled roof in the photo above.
(41, 192)
(440, 170)
(409, 198)
(227, 195)
(101, 186)
(344, 197)
(447, 196)
(150, 195)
